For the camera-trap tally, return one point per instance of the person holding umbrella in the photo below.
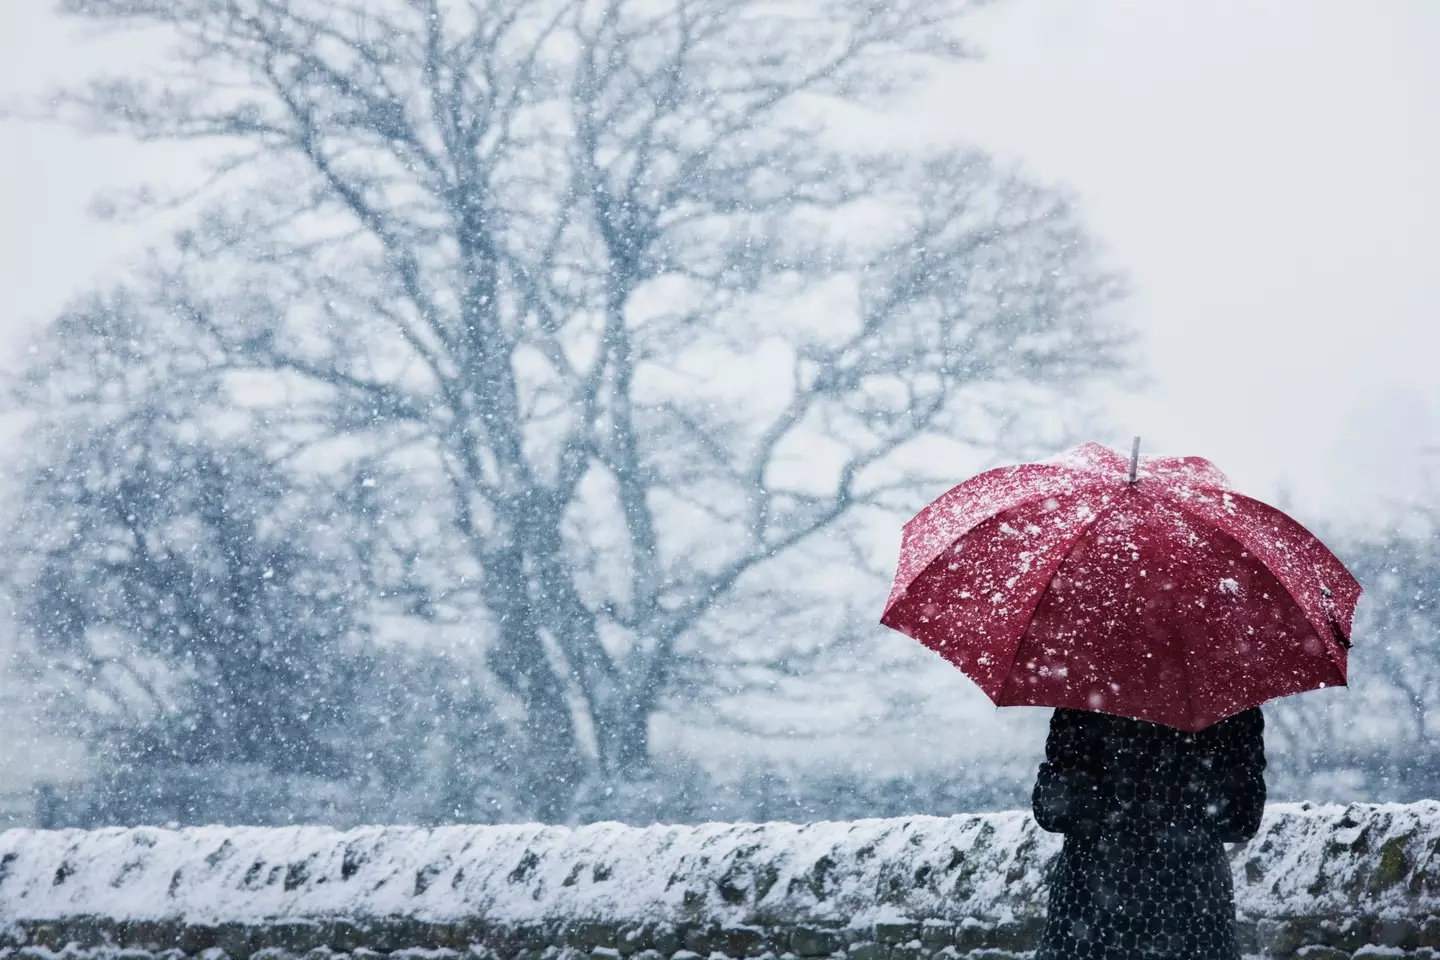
(1155, 608)
(1145, 810)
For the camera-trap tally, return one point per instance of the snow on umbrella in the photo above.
(1147, 589)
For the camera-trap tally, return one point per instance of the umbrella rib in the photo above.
(1327, 642)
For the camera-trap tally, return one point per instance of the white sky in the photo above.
(1266, 173)
(1263, 172)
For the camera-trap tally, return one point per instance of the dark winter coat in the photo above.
(1145, 810)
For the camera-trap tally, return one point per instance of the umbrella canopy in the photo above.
(1168, 598)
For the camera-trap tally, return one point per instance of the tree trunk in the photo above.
(628, 741)
(550, 753)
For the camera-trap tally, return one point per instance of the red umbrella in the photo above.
(1145, 589)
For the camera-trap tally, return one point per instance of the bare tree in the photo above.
(1381, 733)
(1401, 574)
(183, 591)
(579, 292)
(193, 608)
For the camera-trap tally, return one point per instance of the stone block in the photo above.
(373, 936)
(336, 935)
(992, 954)
(1245, 937)
(1373, 951)
(1399, 932)
(1349, 934)
(648, 955)
(867, 950)
(972, 934)
(83, 932)
(937, 933)
(604, 953)
(147, 935)
(195, 937)
(1278, 938)
(892, 932)
(665, 940)
(586, 935)
(1017, 936)
(908, 951)
(633, 938)
(1318, 951)
(452, 935)
(508, 940)
(236, 940)
(741, 941)
(807, 941)
(1430, 932)
(699, 940)
(428, 936)
(296, 937)
(1310, 930)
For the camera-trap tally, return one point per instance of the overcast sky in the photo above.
(1266, 173)
(1262, 171)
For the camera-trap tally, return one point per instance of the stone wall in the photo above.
(1317, 882)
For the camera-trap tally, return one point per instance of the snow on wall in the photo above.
(1380, 860)
(731, 872)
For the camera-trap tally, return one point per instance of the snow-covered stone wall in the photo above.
(1318, 882)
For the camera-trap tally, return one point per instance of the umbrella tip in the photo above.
(1134, 461)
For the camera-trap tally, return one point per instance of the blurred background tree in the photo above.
(1380, 738)
(556, 333)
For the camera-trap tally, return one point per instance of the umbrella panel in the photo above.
(1156, 614)
(972, 602)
